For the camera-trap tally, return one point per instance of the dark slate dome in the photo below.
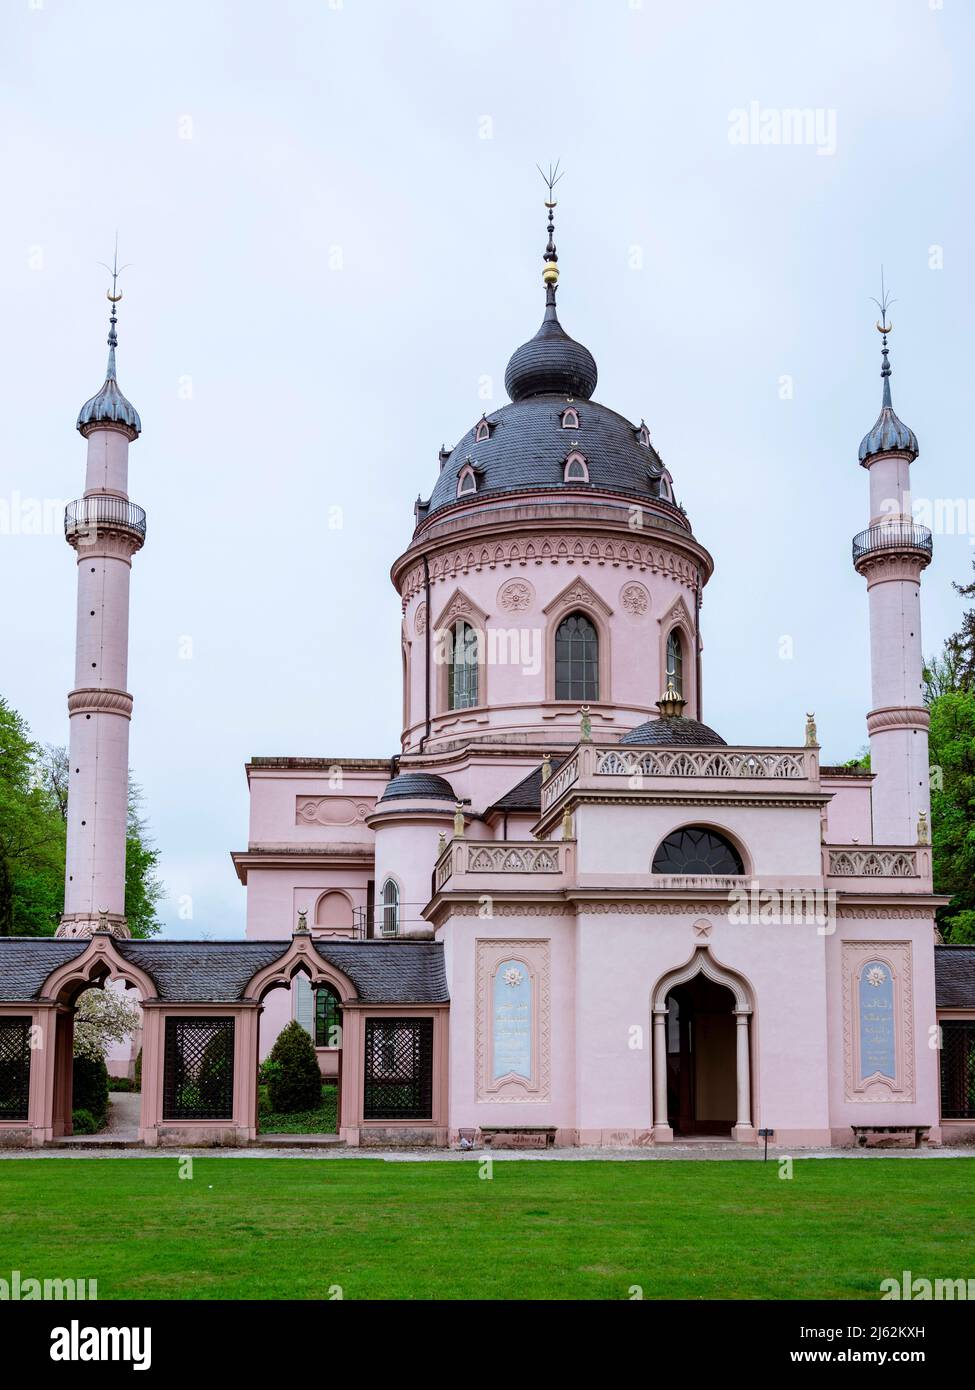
(426, 785)
(551, 362)
(672, 733)
(527, 448)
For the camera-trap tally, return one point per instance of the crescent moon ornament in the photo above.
(885, 328)
(112, 298)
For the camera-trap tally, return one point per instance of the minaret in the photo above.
(890, 555)
(105, 530)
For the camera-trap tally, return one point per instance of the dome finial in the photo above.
(550, 275)
(551, 362)
(889, 434)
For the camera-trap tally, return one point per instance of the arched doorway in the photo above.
(701, 1097)
(702, 1071)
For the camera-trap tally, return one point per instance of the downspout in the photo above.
(426, 644)
(697, 648)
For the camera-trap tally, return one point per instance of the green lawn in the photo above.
(290, 1228)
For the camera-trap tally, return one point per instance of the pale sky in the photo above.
(335, 228)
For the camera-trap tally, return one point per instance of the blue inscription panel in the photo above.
(878, 1049)
(511, 1021)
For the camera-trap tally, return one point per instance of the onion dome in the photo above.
(419, 785)
(671, 732)
(551, 363)
(889, 434)
(109, 406)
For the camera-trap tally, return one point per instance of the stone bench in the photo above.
(862, 1133)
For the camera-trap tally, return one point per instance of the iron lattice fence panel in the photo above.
(198, 1081)
(957, 1070)
(15, 1053)
(399, 1069)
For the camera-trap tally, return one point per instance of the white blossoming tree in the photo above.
(102, 1018)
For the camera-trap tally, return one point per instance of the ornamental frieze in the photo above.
(568, 549)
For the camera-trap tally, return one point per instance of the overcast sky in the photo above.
(335, 227)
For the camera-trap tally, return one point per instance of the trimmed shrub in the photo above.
(84, 1122)
(120, 1083)
(137, 1084)
(91, 1086)
(296, 1083)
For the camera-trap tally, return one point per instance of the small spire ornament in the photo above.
(923, 837)
(546, 768)
(585, 725)
(567, 831)
(459, 822)
(812, 738)
(441, 844)
(302, 920)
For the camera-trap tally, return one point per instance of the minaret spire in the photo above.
(105, 530)
(890, 554)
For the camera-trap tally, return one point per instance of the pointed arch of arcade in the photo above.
(702, 962)
(52, 1015)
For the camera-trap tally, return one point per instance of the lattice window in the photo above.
(957, 1070)
(198, 1081)
(399, 1069)
(14, 1068)
(462, 671)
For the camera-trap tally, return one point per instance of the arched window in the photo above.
(390, 926)
(570, 418)
(576, 659)
(462, 669)
(675, 661)
(643, 435)
(482, 430)
(466, 482)
(576, 468)
(328, 1017)
(696, 850)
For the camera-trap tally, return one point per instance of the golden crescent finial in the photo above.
(885, 327)
(112, 298)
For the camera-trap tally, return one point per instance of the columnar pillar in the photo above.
(743, 1077)
(662, 1132)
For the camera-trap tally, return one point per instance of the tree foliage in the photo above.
(296, 1082)
(33, 831)
(103, 1017)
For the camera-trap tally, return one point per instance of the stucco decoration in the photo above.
(634, 599)
(878, 1021)
(420, 621)
(330, 810)
(513, 1021)
(516, 596)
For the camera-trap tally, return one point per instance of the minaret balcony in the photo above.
(892, 538)
(86, 518)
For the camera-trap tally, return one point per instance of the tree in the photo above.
(961, 645)
(296, 1082)
(33, 833)
(103, 1017)
(951, 740)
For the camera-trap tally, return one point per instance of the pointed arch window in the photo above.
(675, 660)
(390, 922)
(462, 669)
(576, 659)
(482, 430)
(576, 468)
(694, 849)
(570, 418)
(643, 435)
(467, 482)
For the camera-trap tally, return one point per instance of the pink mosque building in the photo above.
(567, 911)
